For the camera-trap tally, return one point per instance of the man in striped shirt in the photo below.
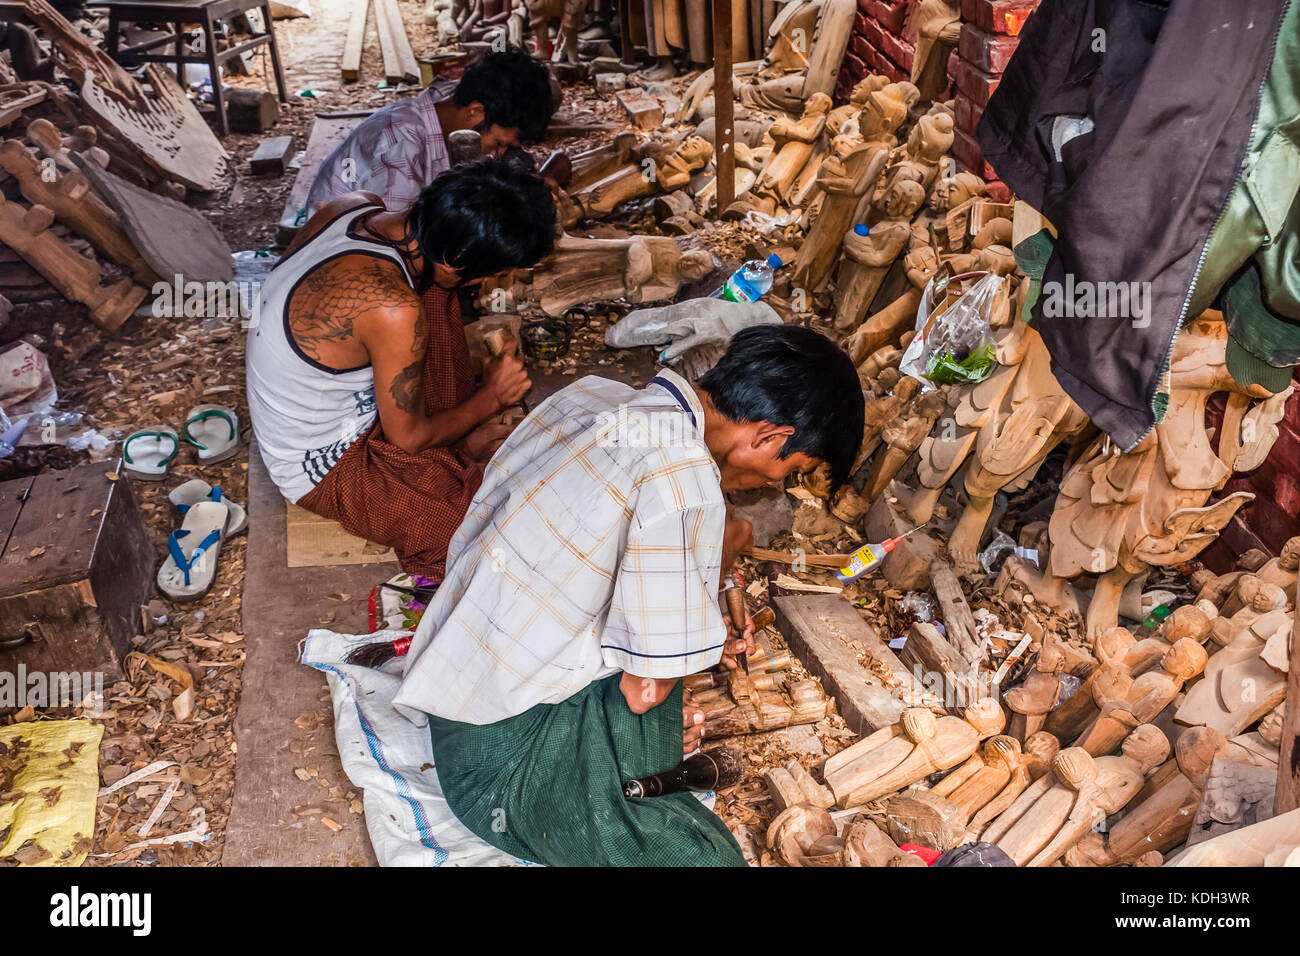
(402, 148)
(583, 584)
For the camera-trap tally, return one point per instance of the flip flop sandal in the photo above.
(214, 431)
(147, 453)
(191, 563)
(196, 490)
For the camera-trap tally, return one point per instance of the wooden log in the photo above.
(926, 651)
(352, 46)
(957, 617)
(272, 156)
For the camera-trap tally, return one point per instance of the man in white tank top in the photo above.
(360, 388)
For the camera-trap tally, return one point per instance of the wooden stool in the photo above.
(180, 12)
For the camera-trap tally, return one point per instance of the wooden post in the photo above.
(1288, 763)
(724, 155)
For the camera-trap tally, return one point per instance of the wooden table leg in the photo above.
(724, 155)
(275, 54)
(210, 52)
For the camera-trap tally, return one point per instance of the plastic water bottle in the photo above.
(751, 281)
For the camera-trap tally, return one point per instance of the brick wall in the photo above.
(882, 42)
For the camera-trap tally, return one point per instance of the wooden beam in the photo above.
(400, 65)
(355, 40)
(1288, 763)
(724, 155)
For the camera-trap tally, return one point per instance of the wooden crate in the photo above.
(76, 567)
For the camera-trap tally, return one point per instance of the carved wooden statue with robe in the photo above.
(569, 13)
(1117, 514)
(938, 28)
(867, 258)
(655, 168)
(795, 143)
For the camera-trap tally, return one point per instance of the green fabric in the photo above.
(1260, 230)
(1032, 254)
(547, 785)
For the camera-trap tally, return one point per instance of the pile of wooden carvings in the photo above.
(90, 178)
(764, 699)
(400, 64)
(1171, 739)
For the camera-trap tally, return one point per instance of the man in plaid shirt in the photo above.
(400, 149)
(583, 584)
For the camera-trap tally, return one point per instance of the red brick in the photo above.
(989, 51)
(853, 67)
(864, 50)
(865, 7)
(974, 82)
(891, 16)
(998, 16)
(968, 114)
(997, 190)
(873, 34)
(859, 22)
(968, 154)
(898, 50)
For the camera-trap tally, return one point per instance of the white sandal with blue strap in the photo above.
(191, 563)
(214, 431)
(188, 494)
(147, 453)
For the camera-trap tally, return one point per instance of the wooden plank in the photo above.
(327, 133)
(1288, 764)
(724, 156)
(355, 40)
(272, 156)
(820, 629)
(926, 650)
(958, 619)
(400, 64)
(314, 542)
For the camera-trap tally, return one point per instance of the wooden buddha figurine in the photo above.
(869, 253)
(794, 143)
(1032, 700)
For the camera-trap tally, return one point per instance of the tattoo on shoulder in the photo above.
(325, 306)
(405, 388)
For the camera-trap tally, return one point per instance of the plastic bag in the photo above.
(958, 346)
(921, 606)
(1003, 543)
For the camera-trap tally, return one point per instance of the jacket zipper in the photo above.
(1205, 245)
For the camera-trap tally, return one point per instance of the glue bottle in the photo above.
(869, 557)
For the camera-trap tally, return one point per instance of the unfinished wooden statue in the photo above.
(1189, 621)
(908, 751)
(1000, 776)
(1035, 696)
(865, 844)
(794, 144)
(1244, 680)
(1050, 818)
(1274, 842)
(1117, 514)
(1144, 698)
(75, 277)
(920, 265)
(740, 708)
(938, 27)
(655, 169)
(901, 437)
(845, 181)
(569, 13)
(806, 43)
(927, 144)
(869, 253)
(1235, 795)
(639, 270)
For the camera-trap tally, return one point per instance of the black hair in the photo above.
(515, 90)
(482, 219)
(792, 376)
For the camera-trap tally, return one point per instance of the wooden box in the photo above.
(76, 567)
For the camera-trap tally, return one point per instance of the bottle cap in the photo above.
(775, 261)
(861, 230)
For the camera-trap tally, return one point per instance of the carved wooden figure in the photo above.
(868, 257)
(1036, 695)
(569, 13)
(938, 28)
(75, 277)
(904, 753)
(795, 143)
(1244, 680)
(640, 269)
(901, 438)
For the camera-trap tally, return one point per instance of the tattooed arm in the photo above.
(392, 331)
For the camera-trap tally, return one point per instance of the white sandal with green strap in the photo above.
(147, 453)
(191, 563)
(214, 431)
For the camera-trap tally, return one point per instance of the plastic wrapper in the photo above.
(957, 347)
(1002, 546)
(920, 605)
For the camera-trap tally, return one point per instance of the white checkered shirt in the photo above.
(593, 546)
(394, 153)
